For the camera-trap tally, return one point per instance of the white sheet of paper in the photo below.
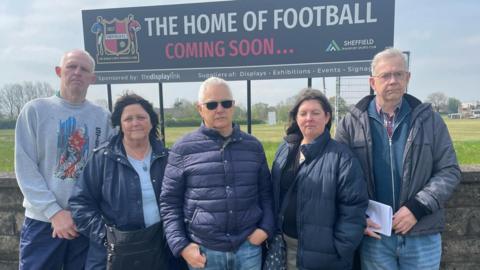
(382, 215)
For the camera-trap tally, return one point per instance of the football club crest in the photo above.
(116, 40)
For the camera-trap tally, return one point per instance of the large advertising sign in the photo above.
(237, 40)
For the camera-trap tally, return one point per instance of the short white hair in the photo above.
(209, 82)
(90, 58)
(388, 53)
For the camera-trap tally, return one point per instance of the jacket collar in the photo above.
(400, 113)
(418, 109)
(363, 104)
(313, 149)
(214, 134)
(116, 147)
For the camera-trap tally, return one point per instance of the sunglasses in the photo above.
(212, 105)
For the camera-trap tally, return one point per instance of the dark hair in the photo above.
(304, 95)
(130, 99)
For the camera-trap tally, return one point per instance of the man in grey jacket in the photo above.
(53, 138)
(408, 158)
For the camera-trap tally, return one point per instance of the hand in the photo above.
(63, 226)
(192, 255)
(368, 230)
(403, 220)
(257, 237)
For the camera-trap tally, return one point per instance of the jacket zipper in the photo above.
(385, 123)
(391, 172)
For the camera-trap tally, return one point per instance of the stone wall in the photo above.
(461, 239)
(11, 219)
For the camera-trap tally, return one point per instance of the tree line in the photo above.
(184, 113)
(14, 96)
(443, 104)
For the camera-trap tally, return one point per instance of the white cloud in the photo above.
(471, 40)
(441, 36)
(420, 35)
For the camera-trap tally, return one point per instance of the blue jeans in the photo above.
(247, 257)
(38, 250)
(402, 252)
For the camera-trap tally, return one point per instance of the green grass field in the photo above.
(465, 134)
(6, 150)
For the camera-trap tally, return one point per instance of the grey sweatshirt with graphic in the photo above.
(53, 139)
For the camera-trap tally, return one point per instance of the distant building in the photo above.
(455, 115)
(470, 110)
(272, 118)
(475, 114)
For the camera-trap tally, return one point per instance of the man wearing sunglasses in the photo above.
(216, 200)
(410, 163)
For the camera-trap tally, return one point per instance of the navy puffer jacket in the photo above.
(331, 202)
(109, 190)
(216, 191)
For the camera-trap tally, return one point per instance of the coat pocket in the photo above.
(204, 223)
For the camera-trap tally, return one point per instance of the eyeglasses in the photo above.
(387, 76)
(212, 105)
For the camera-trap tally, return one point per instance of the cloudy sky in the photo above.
(442, 36)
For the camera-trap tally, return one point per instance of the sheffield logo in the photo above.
(116, 40)
(333, 47)
(351, 45)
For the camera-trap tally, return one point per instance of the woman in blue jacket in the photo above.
(319, 189)
(120, 188)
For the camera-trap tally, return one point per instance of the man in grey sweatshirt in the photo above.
(53, 138)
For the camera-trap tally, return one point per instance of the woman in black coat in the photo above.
(319, 190)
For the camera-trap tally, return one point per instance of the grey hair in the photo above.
(388, 53)
(90, 58)
(209, 82)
